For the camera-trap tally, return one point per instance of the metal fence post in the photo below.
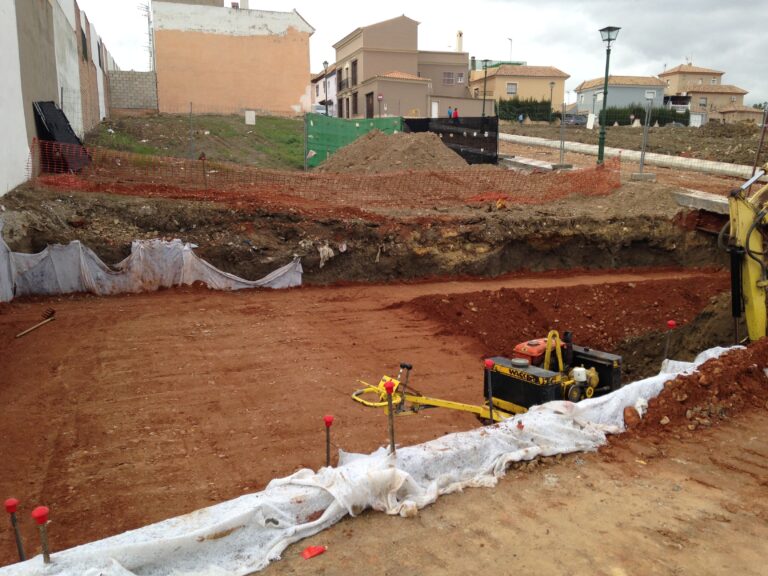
(191, 144)
(645, 134)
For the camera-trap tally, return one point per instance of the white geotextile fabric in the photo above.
(152, 264)
(243, 535)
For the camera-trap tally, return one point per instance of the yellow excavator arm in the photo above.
(749, 274)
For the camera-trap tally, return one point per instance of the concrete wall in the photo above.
(223, 60)
(13, 132)
(678, 82)
(67, 67)
(133, 90)
(527, 87)
(714, 102)
(37, 57)
(89, 90)
(434, 64)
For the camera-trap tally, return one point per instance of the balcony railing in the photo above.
(343, 84)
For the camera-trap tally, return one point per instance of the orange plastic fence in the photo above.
(99, 169)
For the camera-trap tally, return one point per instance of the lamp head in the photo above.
(325, 64)
(609, 33)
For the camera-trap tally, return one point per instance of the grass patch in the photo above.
(119, 141)
(274, 142)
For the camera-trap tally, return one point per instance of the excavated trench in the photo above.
(633, 231)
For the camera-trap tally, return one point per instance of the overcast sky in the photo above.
(726, 36)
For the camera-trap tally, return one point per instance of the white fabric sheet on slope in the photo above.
(243, 535)
(152, 264)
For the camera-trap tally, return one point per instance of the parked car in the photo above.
(576, 119)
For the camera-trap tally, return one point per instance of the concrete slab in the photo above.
(642, 177)
(522, 163)
(698, 200)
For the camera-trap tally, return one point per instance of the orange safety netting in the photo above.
(103, 170)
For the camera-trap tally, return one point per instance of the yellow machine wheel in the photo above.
(590, 392)
(574, 393)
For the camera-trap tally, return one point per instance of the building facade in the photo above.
(381, 72)
(520, 81)
(224, 60)
(51, 53)
(700, 90)
(324, 90)
(623, 91)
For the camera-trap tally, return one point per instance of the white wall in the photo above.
(67, 63)
(228, 21)
(13, 132)
(99, 72)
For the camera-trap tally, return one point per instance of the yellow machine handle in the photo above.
(554, 337)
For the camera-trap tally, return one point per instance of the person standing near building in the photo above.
(456, 115)
(450, 112)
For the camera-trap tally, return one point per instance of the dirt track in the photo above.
(131, 409)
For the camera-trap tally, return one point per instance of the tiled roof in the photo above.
(621, 81)
(689, 69)
(319, 75)
(740, 109)
(396, 75)
(527, 71)
(712, 89)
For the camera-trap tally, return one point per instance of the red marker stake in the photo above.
(10, 506)
(671, 325)
(389, 387)
(40, 514)
(328, 423)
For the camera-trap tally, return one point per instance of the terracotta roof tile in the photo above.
(621, 81)
(397, 75)
(689, 69)
(734, 108)
(712, 89)
(525, 71)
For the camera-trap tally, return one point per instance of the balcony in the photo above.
(343, 85)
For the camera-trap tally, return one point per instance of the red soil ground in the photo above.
(128, 410)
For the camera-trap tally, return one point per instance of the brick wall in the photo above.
(133, 90)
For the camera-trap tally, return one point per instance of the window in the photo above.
(667, 81)
(460, 78)
(448, 79)
(511, 87)
(733, 98)
(713, 81)
(703, 102)
(477, 92)
(317, 89)
(84, 42)
(354, 72)
(701, 80)
(581, 98)
(98, 47)
(354, 103)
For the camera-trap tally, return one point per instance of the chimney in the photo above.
(236, 5)
(473, 64)
(459, 41)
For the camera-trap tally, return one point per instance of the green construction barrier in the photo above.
(325, 134)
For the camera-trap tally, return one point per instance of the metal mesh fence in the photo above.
(117, 172)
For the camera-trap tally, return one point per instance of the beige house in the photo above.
(381, 72)
(223, 60)
(736, 114)
(701, 91)
(523, 82)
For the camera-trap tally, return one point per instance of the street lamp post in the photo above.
(608, 34)
(485, 82)
(594, 99)
(551, 90)
(325, 85)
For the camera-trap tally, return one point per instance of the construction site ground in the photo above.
(130, 409)
(736, 143)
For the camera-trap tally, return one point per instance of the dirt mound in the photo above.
(601, 316)
(376, 152)
(722, 388)
(738, 130)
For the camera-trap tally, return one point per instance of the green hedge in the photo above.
(661, 115)
(511, 108)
